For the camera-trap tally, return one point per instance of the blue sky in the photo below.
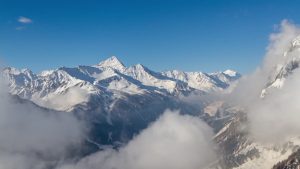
(203, 35)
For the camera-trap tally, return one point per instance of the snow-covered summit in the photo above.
(112, 62)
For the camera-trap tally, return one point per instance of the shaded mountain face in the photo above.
(116, 101)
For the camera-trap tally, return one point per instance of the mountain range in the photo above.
(110, 79)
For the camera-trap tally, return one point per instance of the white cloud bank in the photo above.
(173, 141)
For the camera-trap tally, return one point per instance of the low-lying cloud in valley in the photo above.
(173, 141)
(32, 137)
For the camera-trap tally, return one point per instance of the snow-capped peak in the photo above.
(230, 73)
(112, 62)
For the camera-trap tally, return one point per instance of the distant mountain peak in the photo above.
(112, 62)
(231, 73)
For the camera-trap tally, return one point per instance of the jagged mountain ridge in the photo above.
(108, 77)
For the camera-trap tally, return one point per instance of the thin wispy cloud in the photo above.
(24, 20)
